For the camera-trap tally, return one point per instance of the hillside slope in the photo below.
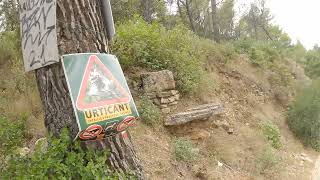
(250, 102)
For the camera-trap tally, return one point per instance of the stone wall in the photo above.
(160, 87)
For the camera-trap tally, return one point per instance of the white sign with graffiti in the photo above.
(38, 33)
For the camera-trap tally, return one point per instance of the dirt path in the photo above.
(316, 171)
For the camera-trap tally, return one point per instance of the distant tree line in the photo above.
(212, 19)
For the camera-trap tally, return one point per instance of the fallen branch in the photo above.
(202, 112)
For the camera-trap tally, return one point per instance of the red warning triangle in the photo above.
(99, 87)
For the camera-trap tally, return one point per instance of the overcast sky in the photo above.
(300, 19)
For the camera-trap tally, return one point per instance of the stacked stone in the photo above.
(166, 100)
(160, 88)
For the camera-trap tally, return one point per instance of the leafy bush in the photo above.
(260, 53)
(270, 57)
(178, 49)
(267, 160)
(62, 160)
(184, 150)
(212, 52)
(9, 46)
(153, 47)
(272, 133)
(12, 134)
(304, 115)
(280, 75)
(150, 113)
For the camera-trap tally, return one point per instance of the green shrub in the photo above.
(267, 160)
(212, 52)
(261, 53)
(149, 113)
(272, 133)
(304, 115)
(155, 48)
(9, 47)
(62, 160)
(12, 135)
(184, 150)
(268, 56)
(281, 75)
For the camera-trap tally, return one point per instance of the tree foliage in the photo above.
(256, 22)
(226, 17)
(150, 10)
(312, 61)
(9, 17)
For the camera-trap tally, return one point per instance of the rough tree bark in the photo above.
(80, 28)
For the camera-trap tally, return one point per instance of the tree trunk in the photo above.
(189, 13)
(180, 10)
(255, 30)
(215, 27)
(147, 10)
(80, 28)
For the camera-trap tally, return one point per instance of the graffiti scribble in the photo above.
(38, 33)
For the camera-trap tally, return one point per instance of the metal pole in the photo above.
(108, 19)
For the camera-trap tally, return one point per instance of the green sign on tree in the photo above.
(100, 95)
